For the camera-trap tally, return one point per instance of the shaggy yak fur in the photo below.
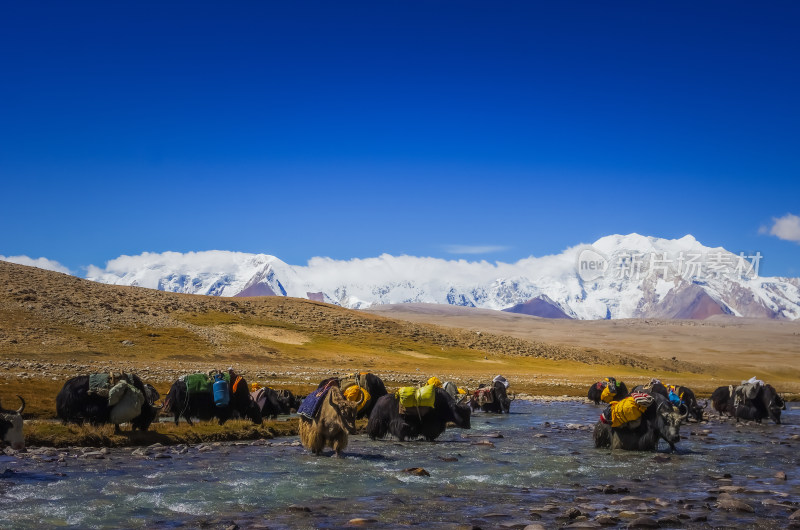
(336, 418)
(386, 418)
(74, 404)
(659, 422)
(767, 404)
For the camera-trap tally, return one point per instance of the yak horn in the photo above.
(22, 407)
(363, 397)
(513, 397)
(685, 415)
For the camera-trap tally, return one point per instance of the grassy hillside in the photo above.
(53, 326)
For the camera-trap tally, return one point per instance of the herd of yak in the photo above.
(329, 413)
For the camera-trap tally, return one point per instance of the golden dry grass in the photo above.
(71, 325)
(56, 434)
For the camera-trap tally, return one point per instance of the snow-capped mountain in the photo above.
(615, 277)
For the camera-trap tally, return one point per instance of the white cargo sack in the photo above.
(126, 402)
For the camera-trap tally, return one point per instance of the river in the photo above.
(537, 465)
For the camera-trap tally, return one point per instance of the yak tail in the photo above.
(311, 436)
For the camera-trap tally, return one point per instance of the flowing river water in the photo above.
(536, 466)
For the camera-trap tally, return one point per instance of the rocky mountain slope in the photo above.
(48, 312)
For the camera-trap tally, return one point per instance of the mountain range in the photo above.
(617, 276)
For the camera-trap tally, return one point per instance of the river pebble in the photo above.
(643, 522)
(418, 471)
(361, 521)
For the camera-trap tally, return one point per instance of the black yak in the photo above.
(386, 418)
(765, 403)
(181, 402)
(493, 398)
(659, 422)
(273, 402)
(76, 404)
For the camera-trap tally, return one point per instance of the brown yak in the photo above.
(336, 418)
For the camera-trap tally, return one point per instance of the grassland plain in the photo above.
(54, 326)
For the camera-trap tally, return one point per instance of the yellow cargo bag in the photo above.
(354, 393)
(607, 396)
(626, 411)
(417, 397)
(435, 381)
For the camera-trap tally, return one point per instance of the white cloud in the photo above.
(786, 228)
(474, 249)
(362, 278)
(42, 263)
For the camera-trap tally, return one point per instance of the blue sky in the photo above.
(350, 129)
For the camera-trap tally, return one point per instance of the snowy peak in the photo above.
(618, 276)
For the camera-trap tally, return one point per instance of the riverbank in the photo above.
(537, 466)
(58, 435)
(55, 434)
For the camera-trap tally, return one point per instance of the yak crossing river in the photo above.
(535, 466)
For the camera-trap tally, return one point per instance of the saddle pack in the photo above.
(125, 401)
(452, 389)
(416, 400)
(353, 387)
(747, 390)
(100, 384)
(312, 403)
(202, 383)
(627, 412)
(675, 397)
(483, 395)
(355, 393)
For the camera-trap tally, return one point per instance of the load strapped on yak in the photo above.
(610, 389)
(483, 395)
(627, 412)
(216, 383)
(124, 400)
(414, 400)
(354, 388)
(674, 394)
(747, 390)
(455, 392)
(312, 403)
